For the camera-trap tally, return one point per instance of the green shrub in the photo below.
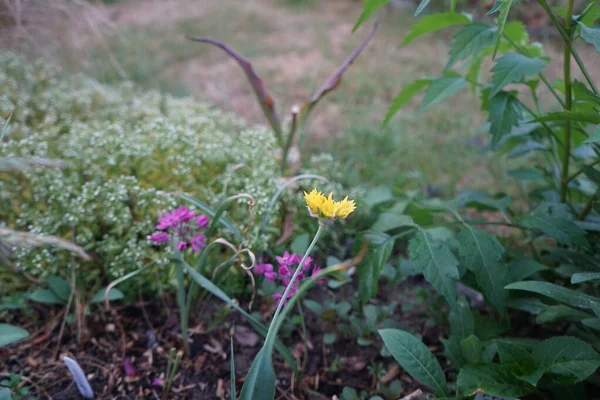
(127, 154)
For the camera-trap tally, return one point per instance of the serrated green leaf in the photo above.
(514, 67)
(471, 348)
(491, 379)
(435, 22)
(388, 221)
(559, 293)
(516, 32)
(437, 263)
(416, 359)
(452, 352)
(11, 334)
(584, 277)
(369, 7)
(462, 324)
(565, 232)
(380, 248)
(470, 40)
(441, 89)
(595, 136)
(504, 113)
(421, 7)
(114, 294)
(566, 360)
(481, 252)
(504, 8)
(591, 35)
(560, 312)
(576, 116)
(407, 93)
(524, 268)
(520, 361)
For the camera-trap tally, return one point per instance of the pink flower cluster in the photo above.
(283, 274)
(178, 224)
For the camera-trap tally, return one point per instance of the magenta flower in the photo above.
(202, 221)
(160, 237)
(198, 242)
(283, 274)
(177, 223)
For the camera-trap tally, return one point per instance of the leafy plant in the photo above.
(536, 255)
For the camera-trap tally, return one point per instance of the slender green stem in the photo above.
(290, 139)
(567, 38)
(274, 326)
(304, 336)
(183, 310)
(587, 9)
(588, 208)
(564, 180)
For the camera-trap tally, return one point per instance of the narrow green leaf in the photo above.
(566, 360)
(514, 67)
(260, 328)
(388, 221)
(46, 297)
(504, 8)
(11, 334)
(576, 116)
(380, 248)
(462, 324)
(435, 22)
(437, 263)
(525, 174)
(523, 268)
(560, 312)
(491, 379)
(471, 348)
(421, 7)
(595, 136)
(407, 93)
(558, 293)
(113, 294)
(471, 40)
(260, 380)
(504, 113)
(482, 253)
(232, 370)
(591, 35)
(441, 89)
(369, 7)
(416, 359)
(584, 277)
(565, 232)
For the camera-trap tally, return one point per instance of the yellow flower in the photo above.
(320, 206)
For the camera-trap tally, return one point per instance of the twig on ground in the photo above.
(413, 395)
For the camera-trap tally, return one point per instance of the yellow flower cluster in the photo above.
(320, 206)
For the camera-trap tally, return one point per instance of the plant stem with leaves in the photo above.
(564, 180)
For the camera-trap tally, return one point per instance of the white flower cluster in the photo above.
(126, 152)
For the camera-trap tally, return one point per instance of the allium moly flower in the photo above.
(320, 206)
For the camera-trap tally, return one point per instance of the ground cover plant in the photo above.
(169, 250)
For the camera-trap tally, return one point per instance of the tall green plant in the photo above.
(549, 266)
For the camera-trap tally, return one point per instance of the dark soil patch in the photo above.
(144, 333)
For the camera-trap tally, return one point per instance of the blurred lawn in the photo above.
(294, 46)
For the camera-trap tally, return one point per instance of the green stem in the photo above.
(564, 180)
(290, 139)
(566, 35)
(183, 310)
(587, 209)
(274, 326)
(576, 174)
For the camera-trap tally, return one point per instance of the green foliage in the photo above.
(437, 263)
(547, 265)
(435, 22)
(416, 359)
(380, 248)
(11, 334)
